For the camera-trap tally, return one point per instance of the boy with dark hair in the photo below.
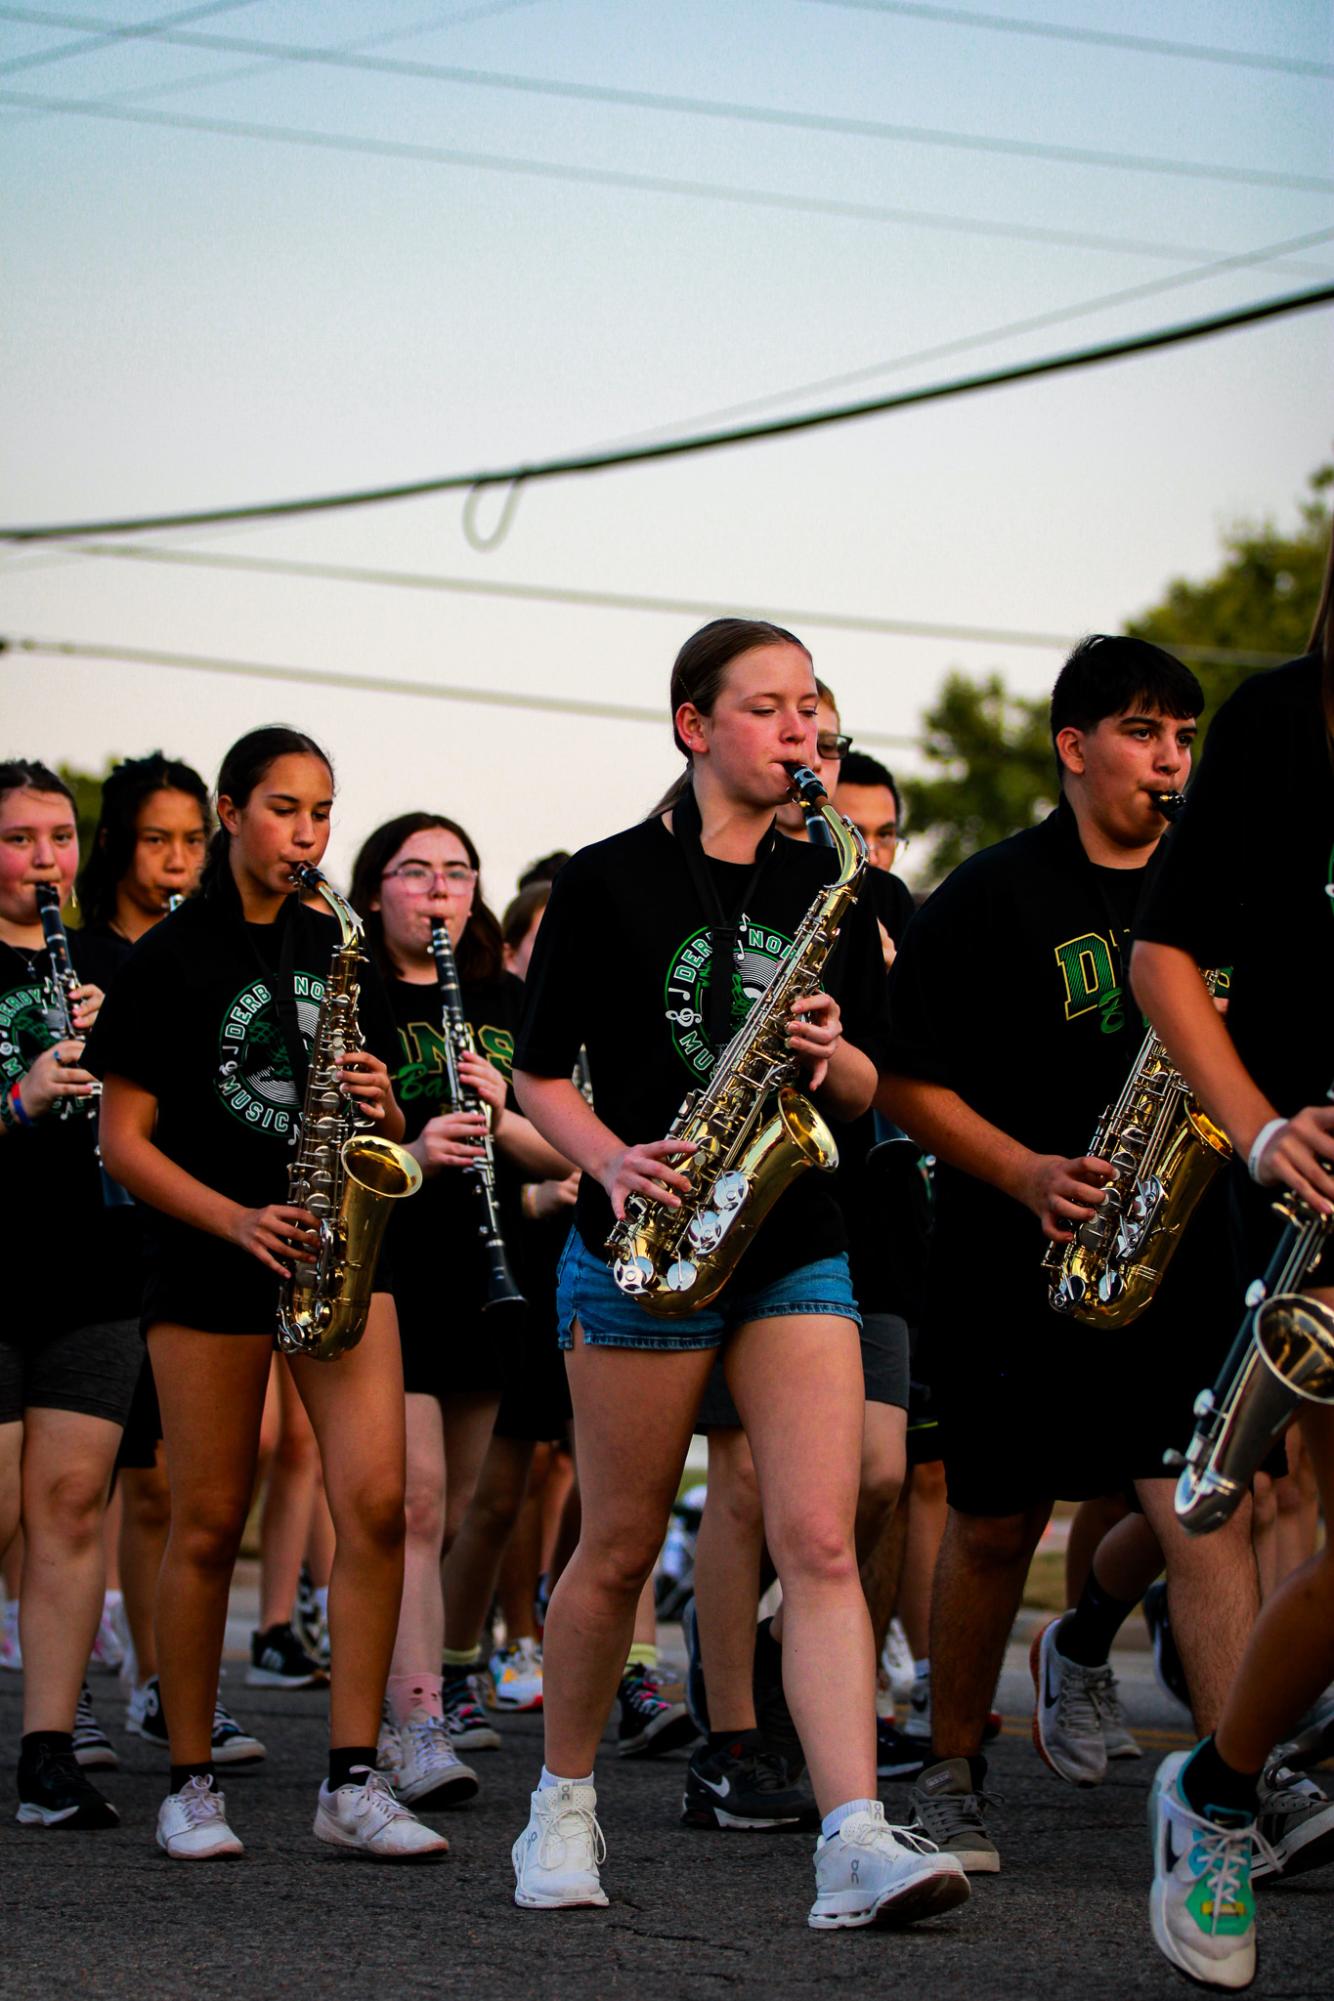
(1012, 1030)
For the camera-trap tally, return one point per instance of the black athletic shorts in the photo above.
(536, 1403)
(925, 1436)
(143, 1426)
(884, 1343)
(453, 1349)
(92, 1370)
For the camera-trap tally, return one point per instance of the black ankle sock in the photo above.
(741, 1740)
(181, 1775)
(1213, 1787)
(45, 1740)
(1086, 1634)
(351, 1765)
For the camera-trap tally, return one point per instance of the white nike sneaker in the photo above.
(1201, 1906)
(370, 1819)
(556, 1857)
(1067, 1710)
(870, 1873)
(192, 1824)
(429, 1772)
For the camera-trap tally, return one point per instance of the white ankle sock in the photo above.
(832, 1822)
(548, 1781)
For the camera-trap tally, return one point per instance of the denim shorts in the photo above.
(586, 1291)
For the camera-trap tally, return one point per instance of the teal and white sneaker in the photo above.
(1201, 1905)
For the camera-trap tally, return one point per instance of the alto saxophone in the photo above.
(1283, 1356)
(343, 1175)
(1164, 1153)
(673, 1261)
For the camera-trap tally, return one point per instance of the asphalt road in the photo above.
(692, 1915)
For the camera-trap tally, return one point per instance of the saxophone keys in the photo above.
(633, 1274)
(705, 1230)
(681, 1275)
(730, 1190)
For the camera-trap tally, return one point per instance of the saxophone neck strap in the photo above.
(724, 928)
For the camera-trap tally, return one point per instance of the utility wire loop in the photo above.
(484, 543)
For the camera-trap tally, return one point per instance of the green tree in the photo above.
(1258, 606)
(992, 766)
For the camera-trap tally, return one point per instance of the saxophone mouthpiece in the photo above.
(805, 785)
(306, 876)
(1169, 804)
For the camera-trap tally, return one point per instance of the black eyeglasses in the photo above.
(831, 746)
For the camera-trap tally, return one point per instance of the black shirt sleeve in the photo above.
(136, 1032)
(859, 983)
(551, 1028)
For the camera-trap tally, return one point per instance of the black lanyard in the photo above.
(282, 986)
(724, 930)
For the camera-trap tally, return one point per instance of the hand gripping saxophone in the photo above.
(1165, 1152)
(673, 1261)
(58, 990)
(1282, 1357)
(343, 1175)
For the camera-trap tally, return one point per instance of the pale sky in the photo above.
(196, 318)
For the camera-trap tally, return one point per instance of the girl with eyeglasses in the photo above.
(202, 1054)
(457, 1357)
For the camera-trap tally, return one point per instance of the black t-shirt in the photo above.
(192, 1019)
(1010, 990)
(622, 965)
(433, 1238)
(1245, 882)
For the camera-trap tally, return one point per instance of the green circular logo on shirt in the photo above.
(24, 1031)
(685, 1004)
(254, 1076)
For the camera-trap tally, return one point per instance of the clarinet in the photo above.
(458, 1036)
(58, 992)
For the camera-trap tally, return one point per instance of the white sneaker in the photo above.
(1201, 1906)
(1116, 1732)
(556, 1857)
(388, 1746)
(370, 1819)
(1067, 1710)
(11, 1653)
(516, 1676)
(192, 1824)
(108, 1648)
(870, 1873)
(897, 1661)
(429, 1772)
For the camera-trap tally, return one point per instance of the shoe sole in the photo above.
(927, 1897)
(1210, 1973)
(269, 1678)
(717, 1816)
(103, 1814)
(337, 1839)
(1035, 1669)
(452, 1792)
(513, 1708)
(589, 1903)
(228, 1851)
(237, 1761)
(97, 1758)
(483, 1738)
(672, 1735)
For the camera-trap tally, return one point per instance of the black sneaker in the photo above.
(144, 1715)
(308, 1622)
(465, 1718)
(93, 1749)
(773, 1718)
(278, 1660)
(231, 1744)
(897, 1755)
(1166, 1660)
(742, 1784)
(697, 1696)
(53, 1792)
(650, 1722)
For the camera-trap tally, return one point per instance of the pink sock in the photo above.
(414, 1691)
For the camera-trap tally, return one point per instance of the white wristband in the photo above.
(1258, 1145)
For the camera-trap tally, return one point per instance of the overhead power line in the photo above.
(319, 677)
(661, 102)
(633, 601)
(1104, 38)
(606, 461)
(103, 35)
(608, 177)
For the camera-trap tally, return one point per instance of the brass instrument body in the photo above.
(1282, 1357)
(754, 1131)
(345, 1176)
(58, 991)
(1165, 1153)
